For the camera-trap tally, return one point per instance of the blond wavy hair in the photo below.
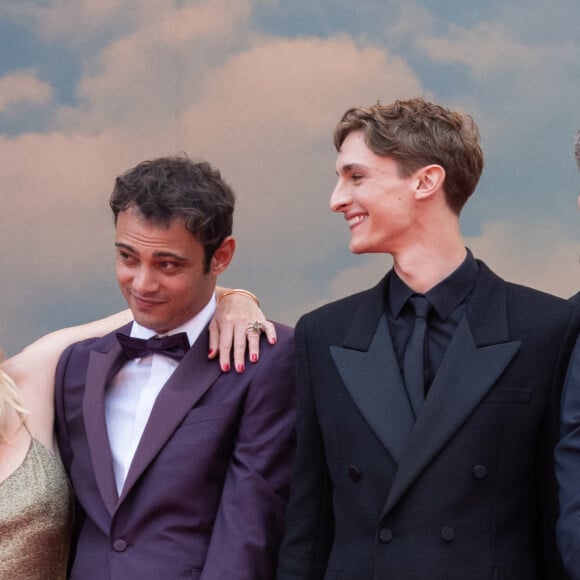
(10, 398)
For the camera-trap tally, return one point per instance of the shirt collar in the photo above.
(445, 297)
(193, 327)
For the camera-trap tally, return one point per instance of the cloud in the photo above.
(155, 70)
(252, 110)
(487, 48)
(540, 254)
(269, 88)
(75, 22)
(366, 272)
(413, 22)
(162, 76)
(23, 88)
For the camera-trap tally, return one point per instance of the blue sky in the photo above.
(88, 89)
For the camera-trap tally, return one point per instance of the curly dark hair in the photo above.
(170, 187)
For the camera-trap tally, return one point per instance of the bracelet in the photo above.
(238, 291)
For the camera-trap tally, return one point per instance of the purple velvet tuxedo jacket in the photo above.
(206, 492)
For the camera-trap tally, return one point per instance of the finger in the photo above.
(213, 339)
(240, 337)
(253, 339)
(270, 331)
(225, 361)
(225, 346)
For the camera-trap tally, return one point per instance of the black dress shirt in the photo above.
(447, 301)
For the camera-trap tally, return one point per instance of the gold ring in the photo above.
(255, 326)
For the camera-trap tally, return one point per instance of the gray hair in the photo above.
(577, 147)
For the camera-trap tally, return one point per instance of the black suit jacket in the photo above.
(568, 465)
(465, 493)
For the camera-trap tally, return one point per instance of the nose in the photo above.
(145, 281)
(339, 199)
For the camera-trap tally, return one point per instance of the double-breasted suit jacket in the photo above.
(467, 491)
(206, 491)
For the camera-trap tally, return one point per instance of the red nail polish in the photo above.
(211, 351)
(254, 358)
(274, 341)
(241, 368)
(226, 368)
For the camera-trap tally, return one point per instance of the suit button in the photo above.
(447, 534)
(354, 473)
(385, 535)
(479, 471)
(119, 545)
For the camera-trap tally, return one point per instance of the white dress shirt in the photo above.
(132, 393)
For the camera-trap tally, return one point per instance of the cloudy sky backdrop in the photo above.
(88, 89)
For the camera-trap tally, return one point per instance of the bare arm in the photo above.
(33, 370)
(39, 359)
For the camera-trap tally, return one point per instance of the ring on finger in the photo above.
(255, 326)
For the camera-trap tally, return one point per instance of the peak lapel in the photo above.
(368, 367)
(102, 367)
(190, 381)
(375, 385)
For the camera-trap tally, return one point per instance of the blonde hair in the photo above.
(10, 398)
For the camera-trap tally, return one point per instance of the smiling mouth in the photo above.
(144, 302)
(356, 219)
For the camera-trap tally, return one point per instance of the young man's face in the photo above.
(160, 271)
(376, 201)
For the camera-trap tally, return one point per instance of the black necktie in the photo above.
(174, 346)
(414, 359)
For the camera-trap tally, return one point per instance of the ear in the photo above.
(223, 256)
(428, 181)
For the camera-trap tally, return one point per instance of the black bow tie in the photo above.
(174, 346)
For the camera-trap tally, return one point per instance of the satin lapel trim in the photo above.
(189, 382)
(101, 367)
(466, 375)
(376, 387)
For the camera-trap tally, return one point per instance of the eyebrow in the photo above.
(350, 167)
(177, 257)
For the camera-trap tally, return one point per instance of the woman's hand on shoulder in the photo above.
(238, 323)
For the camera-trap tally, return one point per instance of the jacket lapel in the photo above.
(189, 382)
(375, 385)
(368, 367)
(478, 354)
(101, 368)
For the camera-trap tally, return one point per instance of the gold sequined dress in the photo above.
(35, 518)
